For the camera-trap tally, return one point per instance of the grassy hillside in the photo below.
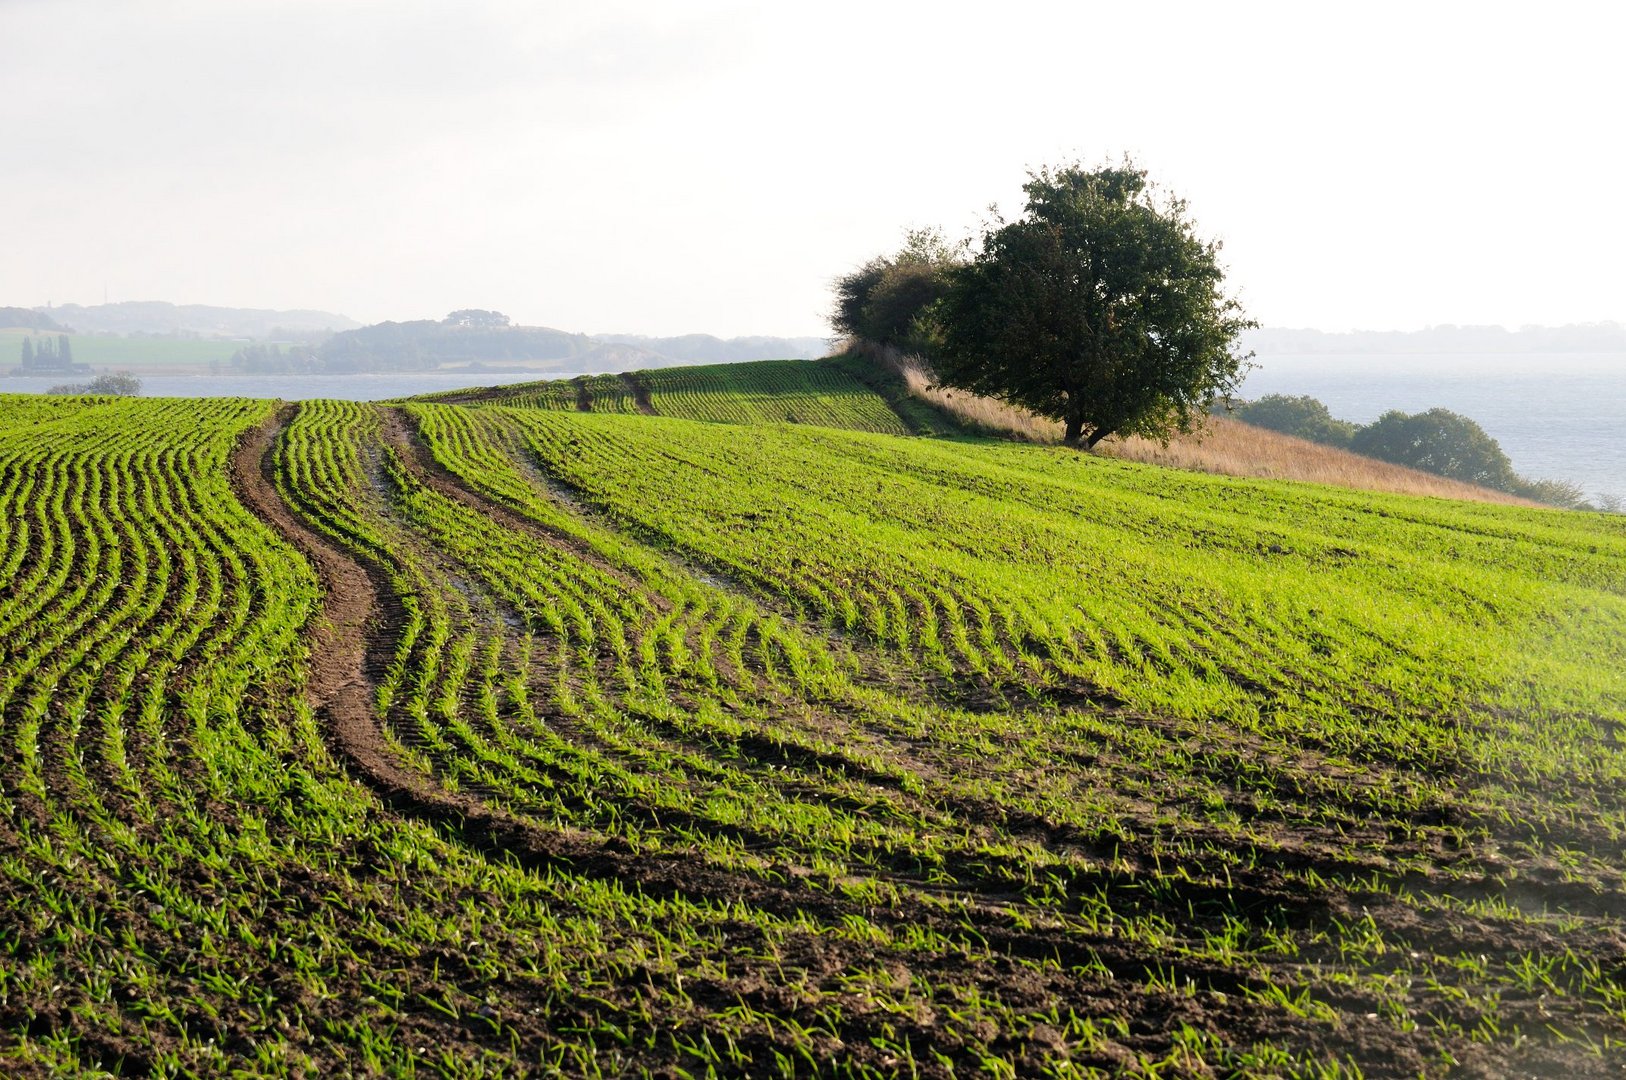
(865, 394)
(541, 734)
(827, 393)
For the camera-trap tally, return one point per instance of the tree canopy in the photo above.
(1099, 307)
(477, 318)
(1438, 441)
(47, 356)
(1441, 442)
(1298, 415)
(884, 301)
(116, 383)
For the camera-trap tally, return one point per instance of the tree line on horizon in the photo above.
(1436, 441)
(48, 356)
(476, 335)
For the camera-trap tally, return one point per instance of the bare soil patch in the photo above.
(640, 392)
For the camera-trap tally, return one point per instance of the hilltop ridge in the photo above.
(849, 391)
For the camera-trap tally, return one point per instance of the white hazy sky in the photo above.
(673, 167)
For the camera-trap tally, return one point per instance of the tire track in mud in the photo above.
(640, 392)
(353, 640)
(350, 637)
(665, 875)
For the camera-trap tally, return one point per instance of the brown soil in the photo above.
(640, 392)
(355, 636)
(353, 639)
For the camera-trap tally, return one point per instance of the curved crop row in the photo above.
(813, 392)
(770, 391)
(546, 678)
(715, 749)
(1283, 725)
(1035, 569)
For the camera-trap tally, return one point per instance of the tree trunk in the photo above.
(1096, 436)
(1075, 421)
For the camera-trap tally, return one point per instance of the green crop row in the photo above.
(817, 392)
(749, 749)
(1285, 698)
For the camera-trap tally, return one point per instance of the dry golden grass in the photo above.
(1224, 446)
(980, 413)
(1232, 448)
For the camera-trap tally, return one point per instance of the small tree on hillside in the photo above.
(1301, 416)
(883, 301)
(116, 384)
(477, 319)
(1438, 441)
(1099, 307)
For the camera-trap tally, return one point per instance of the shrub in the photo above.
(115, 384)
(1299, 415)
(1438, 441)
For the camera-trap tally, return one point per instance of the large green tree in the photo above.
(1441, 442)
(1099, 307)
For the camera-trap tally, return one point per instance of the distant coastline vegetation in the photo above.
(1437, 441)
(166, 338)
(1269, 439)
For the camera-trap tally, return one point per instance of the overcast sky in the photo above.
(673, 167)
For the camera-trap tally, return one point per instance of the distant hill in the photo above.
(1579, 337)
(411, 345)
(16, 318)
(477, 336)
(425, 343)
(199, 320)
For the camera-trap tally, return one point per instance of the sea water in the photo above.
(1558, 416)
(374, 387)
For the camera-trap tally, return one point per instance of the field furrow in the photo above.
(559, 733)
